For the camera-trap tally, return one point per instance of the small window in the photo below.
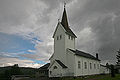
(55, 67)
(57, 38)
(79, 65)
(71, 38)
(94, 66)
(68, 36)
(85, 65)
(90, 65)
(60, 36)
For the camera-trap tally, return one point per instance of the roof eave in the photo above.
(71, 34)
(59, 23)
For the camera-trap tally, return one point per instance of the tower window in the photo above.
(71, 38)
(68, 36)
(79, 65)
(57, 38)
(60, 36)
(85, 65)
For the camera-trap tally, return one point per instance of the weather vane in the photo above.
(64, 4)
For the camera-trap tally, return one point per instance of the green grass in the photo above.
(96, 77)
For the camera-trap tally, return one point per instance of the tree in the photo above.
(112, 71)
(15, 70)
(7, 75)
(118, 57)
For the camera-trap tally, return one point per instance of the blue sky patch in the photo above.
(14, 43)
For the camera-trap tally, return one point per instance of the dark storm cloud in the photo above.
(92, 8)
(13, 11)
(105, 26)
(53, 4)
(107, 37)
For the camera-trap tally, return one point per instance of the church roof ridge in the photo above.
(83, 54)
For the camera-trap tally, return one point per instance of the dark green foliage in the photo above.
(118, 57)
(7, 72)
(28, 71)
(14, 70)
(112, 71)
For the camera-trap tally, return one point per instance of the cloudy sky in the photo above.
(27, 26)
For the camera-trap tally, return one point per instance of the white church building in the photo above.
(66, 59)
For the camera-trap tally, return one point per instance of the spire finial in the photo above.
(64, 4)
(64, 20)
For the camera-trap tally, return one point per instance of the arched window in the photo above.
(85, 63)
(95, 66)
(98, 66)
(90, 65)
(79, 66)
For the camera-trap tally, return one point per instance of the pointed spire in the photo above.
(64, 20)
(64, 23)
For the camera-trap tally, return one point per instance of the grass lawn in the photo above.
(96, 77)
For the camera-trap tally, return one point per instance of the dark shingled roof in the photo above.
(61, 64)
(83, 54)
(45, 66)
(103, 65)
(64, 23)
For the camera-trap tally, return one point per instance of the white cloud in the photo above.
(22, 63)
(39, 18)
(32, 51)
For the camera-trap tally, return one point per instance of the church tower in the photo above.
(63, 38)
